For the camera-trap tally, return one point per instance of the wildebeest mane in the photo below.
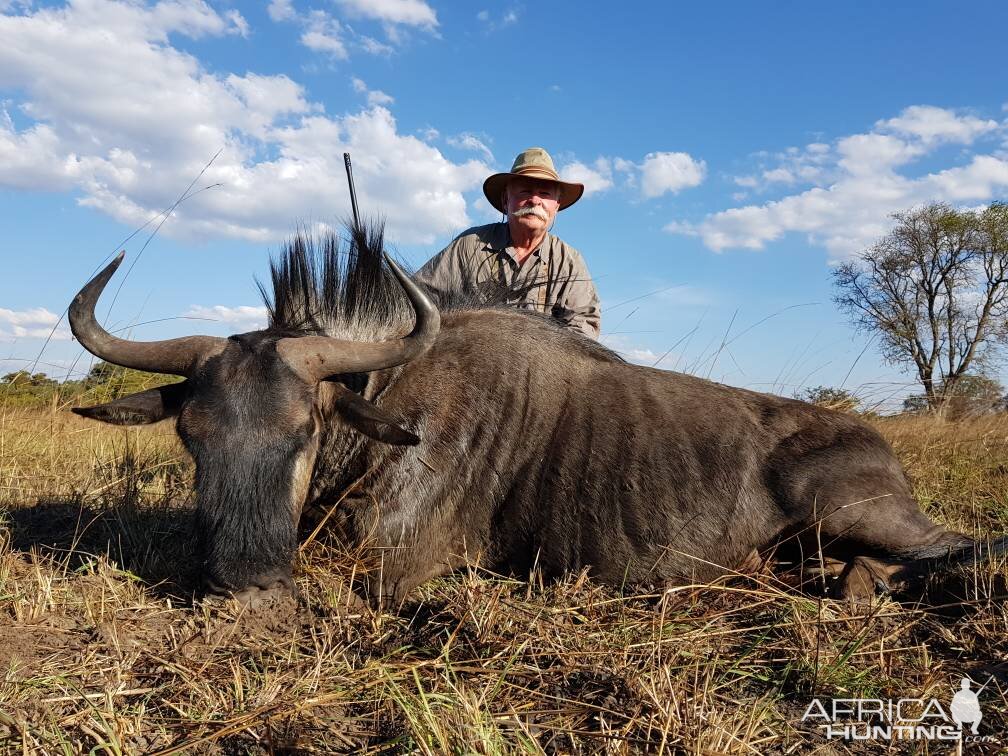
(336, 285)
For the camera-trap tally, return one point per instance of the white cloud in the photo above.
(373, 46)
(377, 97)
(681, 227)
(467, 141)
(245, 317)
(127, 126)
(507, 18)
(782, 175)
(868, 154)
(38, 316)
(374, 96)
(193, 18)
(238, 22)
(981, 179)
(324, 34)
(670, 172)
(596, 178)
(931, 124)
(628, 350)
(406, 12)
(639, 356)
(657, 174)
(281, 10)
(36, 323)
(793, 166)
(858, 181)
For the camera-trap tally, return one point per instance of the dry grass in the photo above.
(102, 648)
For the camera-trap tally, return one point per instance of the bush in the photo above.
(831, 398)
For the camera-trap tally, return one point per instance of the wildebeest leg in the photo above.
(847, 495)
(889, 544)
(396, 580)
(398, 568)
(863, 578)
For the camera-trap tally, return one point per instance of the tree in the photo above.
(833, 398)
(24, 378)
(972, 395)
(25, 389)
(19, 376)
(935, 292)
(106, 381)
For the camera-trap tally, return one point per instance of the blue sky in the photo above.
(731, 152)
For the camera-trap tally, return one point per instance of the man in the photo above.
(519, 257)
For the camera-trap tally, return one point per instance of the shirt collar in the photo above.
(500, 241)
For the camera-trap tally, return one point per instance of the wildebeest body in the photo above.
(496, 436)
(562, 456)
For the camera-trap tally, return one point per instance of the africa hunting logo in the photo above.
(902, 718)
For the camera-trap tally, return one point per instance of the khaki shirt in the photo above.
(553, 279)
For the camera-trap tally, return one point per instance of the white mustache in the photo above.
(535, 210)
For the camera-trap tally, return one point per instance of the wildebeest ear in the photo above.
(141, 408)
(360, 414)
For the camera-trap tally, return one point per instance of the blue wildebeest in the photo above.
(490, 434)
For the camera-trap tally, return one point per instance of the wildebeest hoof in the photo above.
(251, 598)
(255, 597)
(862, 580)
(269, 589)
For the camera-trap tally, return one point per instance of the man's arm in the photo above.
(578, 308)
(581, 311)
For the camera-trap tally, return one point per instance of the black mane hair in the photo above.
(339, 285)
(334, 285)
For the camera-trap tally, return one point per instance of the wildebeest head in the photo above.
(253, 407)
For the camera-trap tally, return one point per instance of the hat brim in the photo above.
(494, 186)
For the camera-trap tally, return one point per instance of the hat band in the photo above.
(536, 171)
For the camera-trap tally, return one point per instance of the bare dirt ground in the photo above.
(104, 649)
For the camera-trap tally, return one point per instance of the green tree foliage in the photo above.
(103, 383)
(23, 388)
(106, 381)
(833, 398)
(934, 290)
(24, 378)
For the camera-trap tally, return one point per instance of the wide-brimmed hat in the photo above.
(535, 163)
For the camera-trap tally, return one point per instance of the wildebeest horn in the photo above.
(319, 357)
(172, 356)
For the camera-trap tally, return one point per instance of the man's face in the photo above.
(532, 203)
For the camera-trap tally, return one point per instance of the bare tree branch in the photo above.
(935, 291)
